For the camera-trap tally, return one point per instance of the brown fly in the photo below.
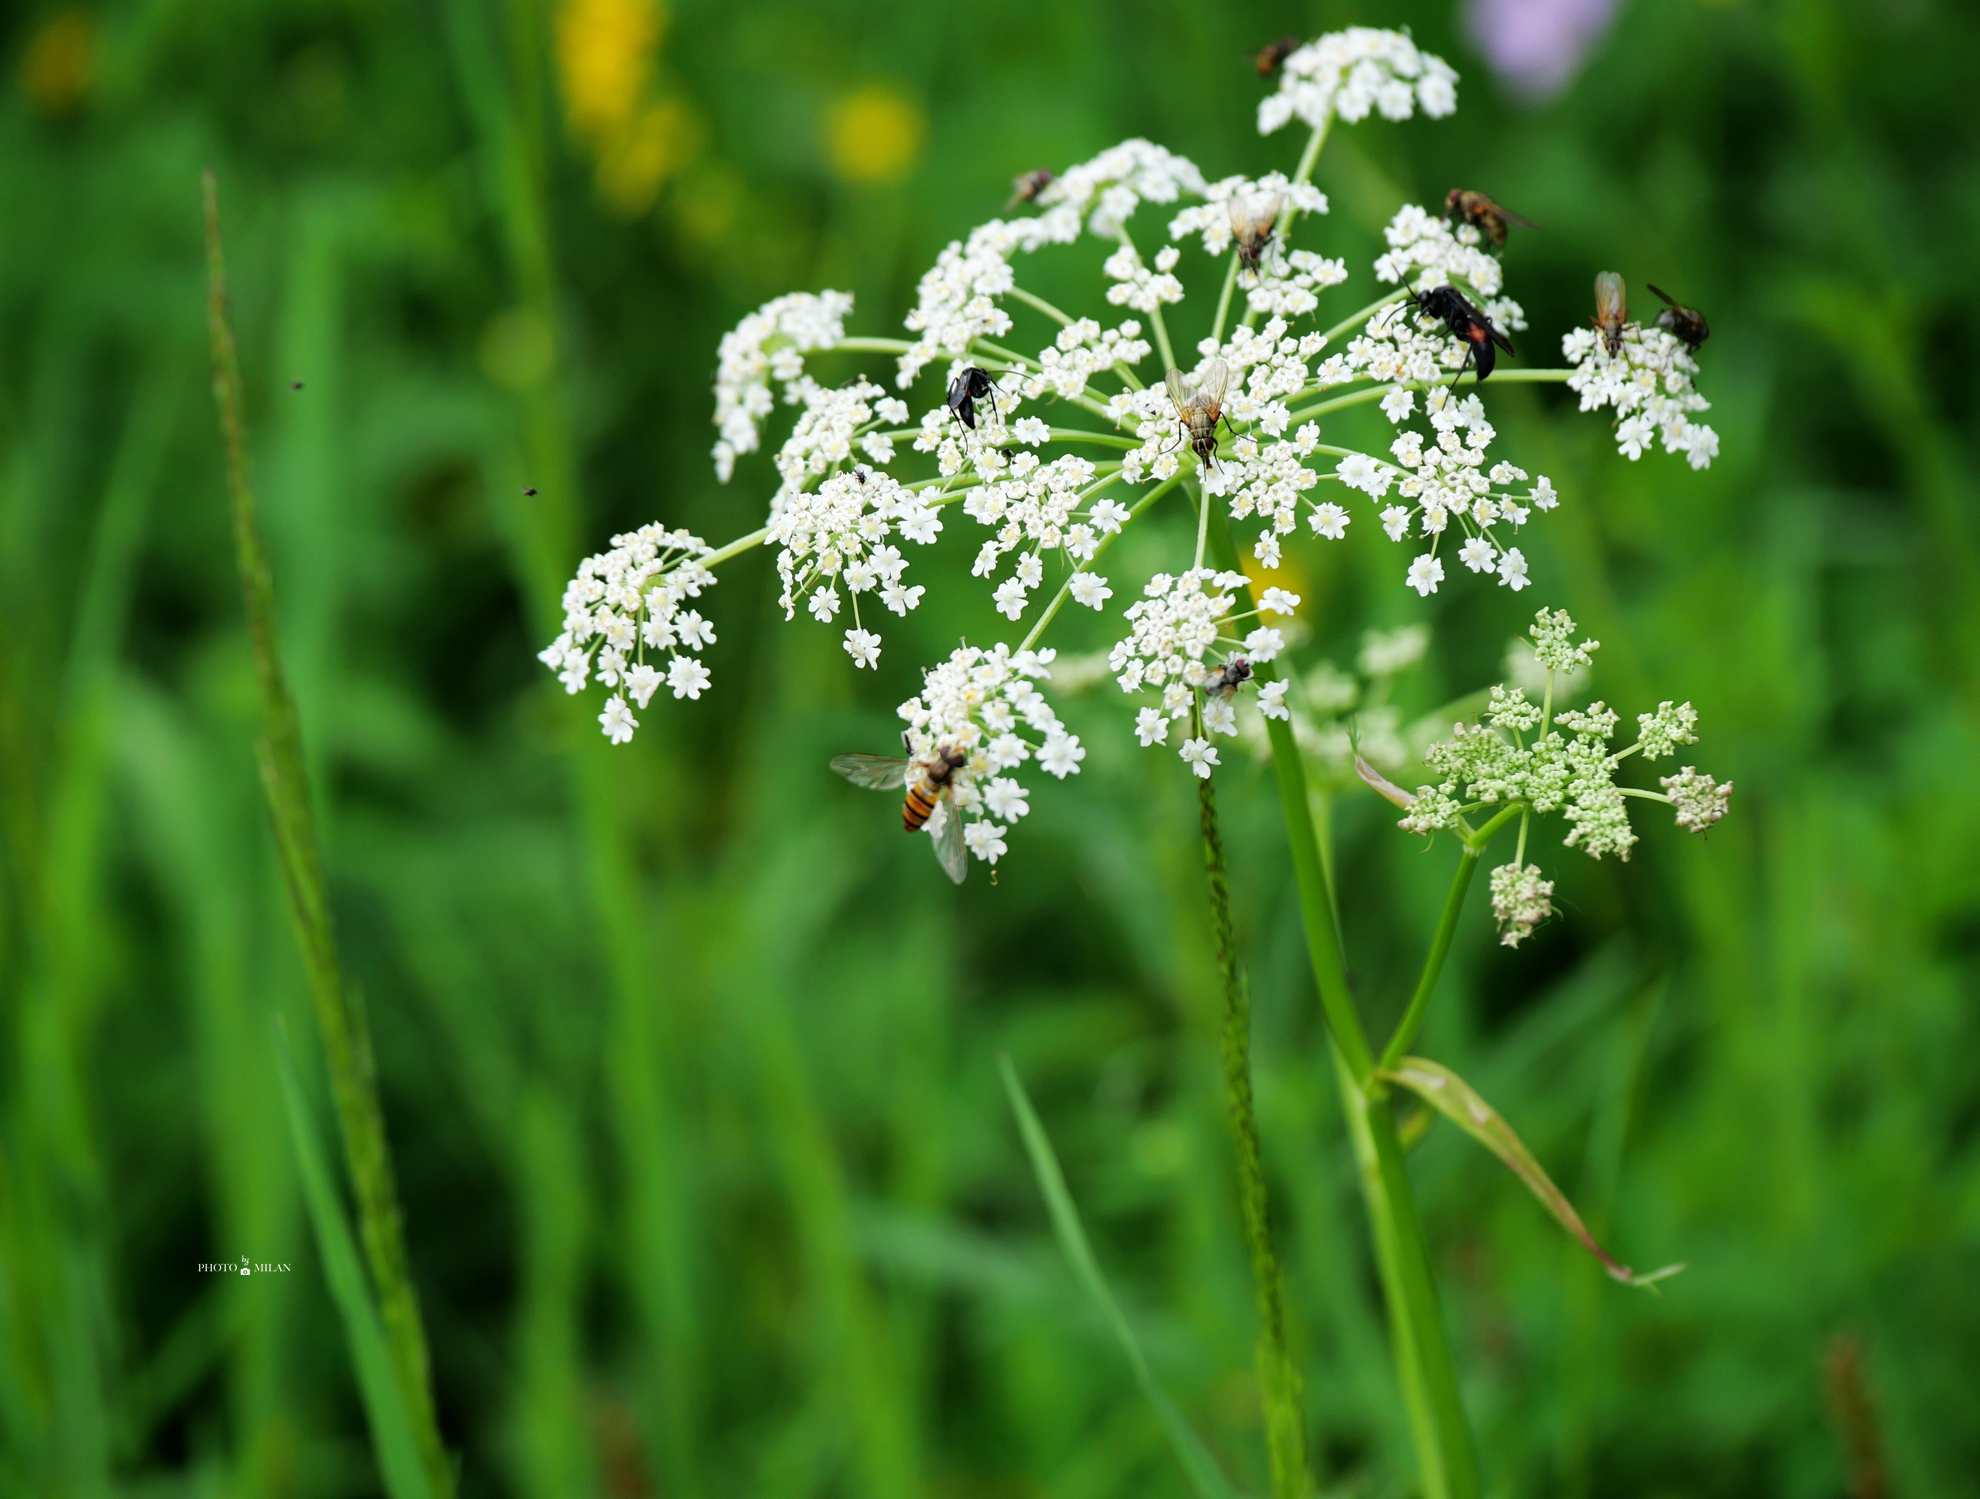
(1488, 218)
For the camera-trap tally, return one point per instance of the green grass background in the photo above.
(688, 1057)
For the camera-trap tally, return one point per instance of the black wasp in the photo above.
(969, 387)
(1448, 305)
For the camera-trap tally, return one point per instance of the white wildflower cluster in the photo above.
(956, 301)
(1425, 251)
(1043, 507)
(1283, 284)
(1135, 285)
(1267, 481)
(1082, 350)
(1521, 900)
(1105, 191)
(1178, 647)
(1291, 287)
(841, 533)
(834, 419)
(1450, 481)
(1649, 386)
(985, 703)
(1212, 218)
(768, 344)
(626, 603)
(1349, 73)
(1567, 767)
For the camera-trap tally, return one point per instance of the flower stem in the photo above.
(1433, 964)
(872, 345)
(340, 1016)
(1281, 1387)
(1041, 304)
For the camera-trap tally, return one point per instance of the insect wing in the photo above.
(949, 849)
(1182, 393)
(1210, 389)
(875, 772)
(1612, 298)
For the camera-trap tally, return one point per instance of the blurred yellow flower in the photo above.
(57, 67)
(875, 134)
(1290, 574)
(606, 55)
(633, 162)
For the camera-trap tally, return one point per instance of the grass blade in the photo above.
(1454, 1098)
(385, 1406)
(1204, 1475)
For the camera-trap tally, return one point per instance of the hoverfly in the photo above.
(969, 387)
(1479, 211)
(1272, 56)
(1611, 309)
(1448, 305)
(1024, 189)
(930, 783)
(1251, 224)
(1685, 324)
(1199, 403)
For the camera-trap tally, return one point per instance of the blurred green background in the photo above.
(688, 1056)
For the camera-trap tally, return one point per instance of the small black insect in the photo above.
(1272, 56)
(529, 490)
(969, 387)
(1686, 324)
(1448, 305)
(295, 385)
(1026, 188)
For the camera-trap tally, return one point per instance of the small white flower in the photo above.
(1477, 554)
(900, 599)
(642, 682)
(985, 839)
(1425, 573)
(1512, 569)
(1030, 431)
(617, 720)
(1200, 755)
(864, 647)
(1152, 725)
(1272, 700)
(1010, 597)
(1331, 521)
(1263, 643)
(1091, 590)
(1109, 515)
(1544, 497)
(1278, 601)
(1398, 403)
(1061, 755)
(824, 604)
(1219, 717)
(687, 676)
(1395, 520)
(1005, 798)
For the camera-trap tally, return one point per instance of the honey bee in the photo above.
(930, 783)
(1611, 310)
(1488, 218)
(1449, 306)
(1251, 223)
(1024, 189)
(1686, 324)
(1272, 56)
(1199, 403)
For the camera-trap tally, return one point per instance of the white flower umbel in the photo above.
(1648, 383)
(1349, 73)
(842, 534)
(986, 703)
(834, 420)
(1425, 251)
(623, 620)
(1105, 191)
(1523, 755)
(1179, 648)
(770, 343)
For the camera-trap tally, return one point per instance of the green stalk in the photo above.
(1424, 1366)
(340, 1018)
(1280, 1385)
(1433, 964)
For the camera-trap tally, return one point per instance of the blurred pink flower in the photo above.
(1537, 46)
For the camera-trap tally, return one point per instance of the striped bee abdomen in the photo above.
(920, 805)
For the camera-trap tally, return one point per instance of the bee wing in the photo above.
(875, 772)
(949, 849)
(1210, 389)
(1182, 393)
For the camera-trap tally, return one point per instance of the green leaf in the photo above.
(1204, 1475)
(1454, 1098)
(385, 1406)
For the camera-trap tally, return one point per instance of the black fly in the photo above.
(1686, 324)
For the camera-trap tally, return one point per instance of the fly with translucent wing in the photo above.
(1199, 403)
(1251, 225)
(929, 781)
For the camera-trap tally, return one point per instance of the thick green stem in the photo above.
(340, 1017)
(1281, 1387)
(1424, 1366)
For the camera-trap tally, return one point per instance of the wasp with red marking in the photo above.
(1464, 206)
(1251, 225)
(1611, 310)
(931, 792)
(1450, 307)
(1686, 324)
(971, 385)
(1199, 404)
